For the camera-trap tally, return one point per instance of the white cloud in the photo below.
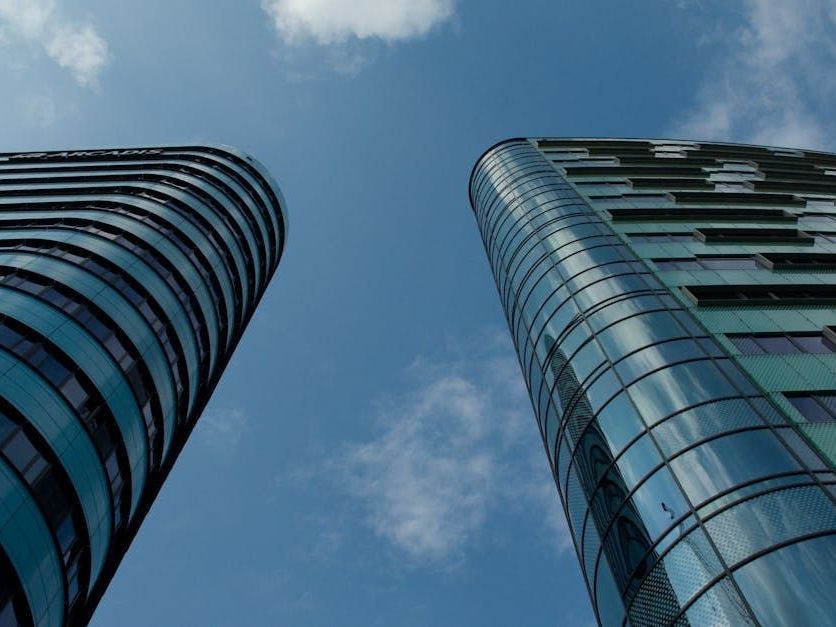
(73, 45)
(771, 77)
(336, 21)
(461, 448)
(80, 50)
(427, 479)
(223, 428)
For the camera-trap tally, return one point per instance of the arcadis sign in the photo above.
(84, 154)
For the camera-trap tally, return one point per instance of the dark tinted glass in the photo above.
(811, 409)
(729, 263)
(813, 343)
(777, 345)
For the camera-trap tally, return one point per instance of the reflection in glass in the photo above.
(793, 586)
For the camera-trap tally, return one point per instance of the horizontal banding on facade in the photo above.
(128, 277)
(678, 475)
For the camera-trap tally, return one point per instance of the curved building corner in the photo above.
(127, 277)
(673, 307)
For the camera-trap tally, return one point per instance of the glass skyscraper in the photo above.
(673, 307)
(126, 279)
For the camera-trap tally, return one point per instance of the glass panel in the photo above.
(690, 565)
(610, 607)
(657, 356)
(720, 605)
(20, 451)
(603, 387)
(637, 461)
(673, 389)
(730, 460)
(802, 449)
(729, 263)
(794, 585)
(619, 422)
(746, 344)
(770, 519)
(688, 264)
(776, 345)
(74, 392)
(829, 401)
(7, 427)
(813, 343)
(689, 427)
(659, 501)
(638, 332)
(808, 407)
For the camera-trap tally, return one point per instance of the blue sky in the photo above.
(370, 457)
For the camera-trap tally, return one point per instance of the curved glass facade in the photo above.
(126, 280)
(696, 493)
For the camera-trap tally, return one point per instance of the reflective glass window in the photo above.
(781, 343)
(24, 449)
(619, 422)
(708, 263)
(815, 407)
(793, 585)
(724, 462)
(813, 343)
(657, 238)
(720, 605)
(659, 501)
(610, 606)
(771, 519)
(689, 427)
(639, 459)
(776, 344)
(657, 356)
(639, 331)
(673, 389)
(728, 263)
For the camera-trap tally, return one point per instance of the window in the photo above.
(744, 235)
(747, 262)
(31, 457)
(659, 238)
(14, 608)
(820, 217)
(77, 390)
(149, 309)
(729, 263)
(622, 214)
(647, 170)
(687, 263)
(814, 406)
(782, 344)
(800, 294)
(697, 182)
(825, 236)
(798, 261)
(739, 198)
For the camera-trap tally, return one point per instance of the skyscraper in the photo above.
(673, 307)
(126, 280)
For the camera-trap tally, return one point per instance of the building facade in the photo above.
(673, 307)
(126, 280)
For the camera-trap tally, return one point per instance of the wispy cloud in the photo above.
(223, 428)
(73, 45)
(770, 77)
(458, 449)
